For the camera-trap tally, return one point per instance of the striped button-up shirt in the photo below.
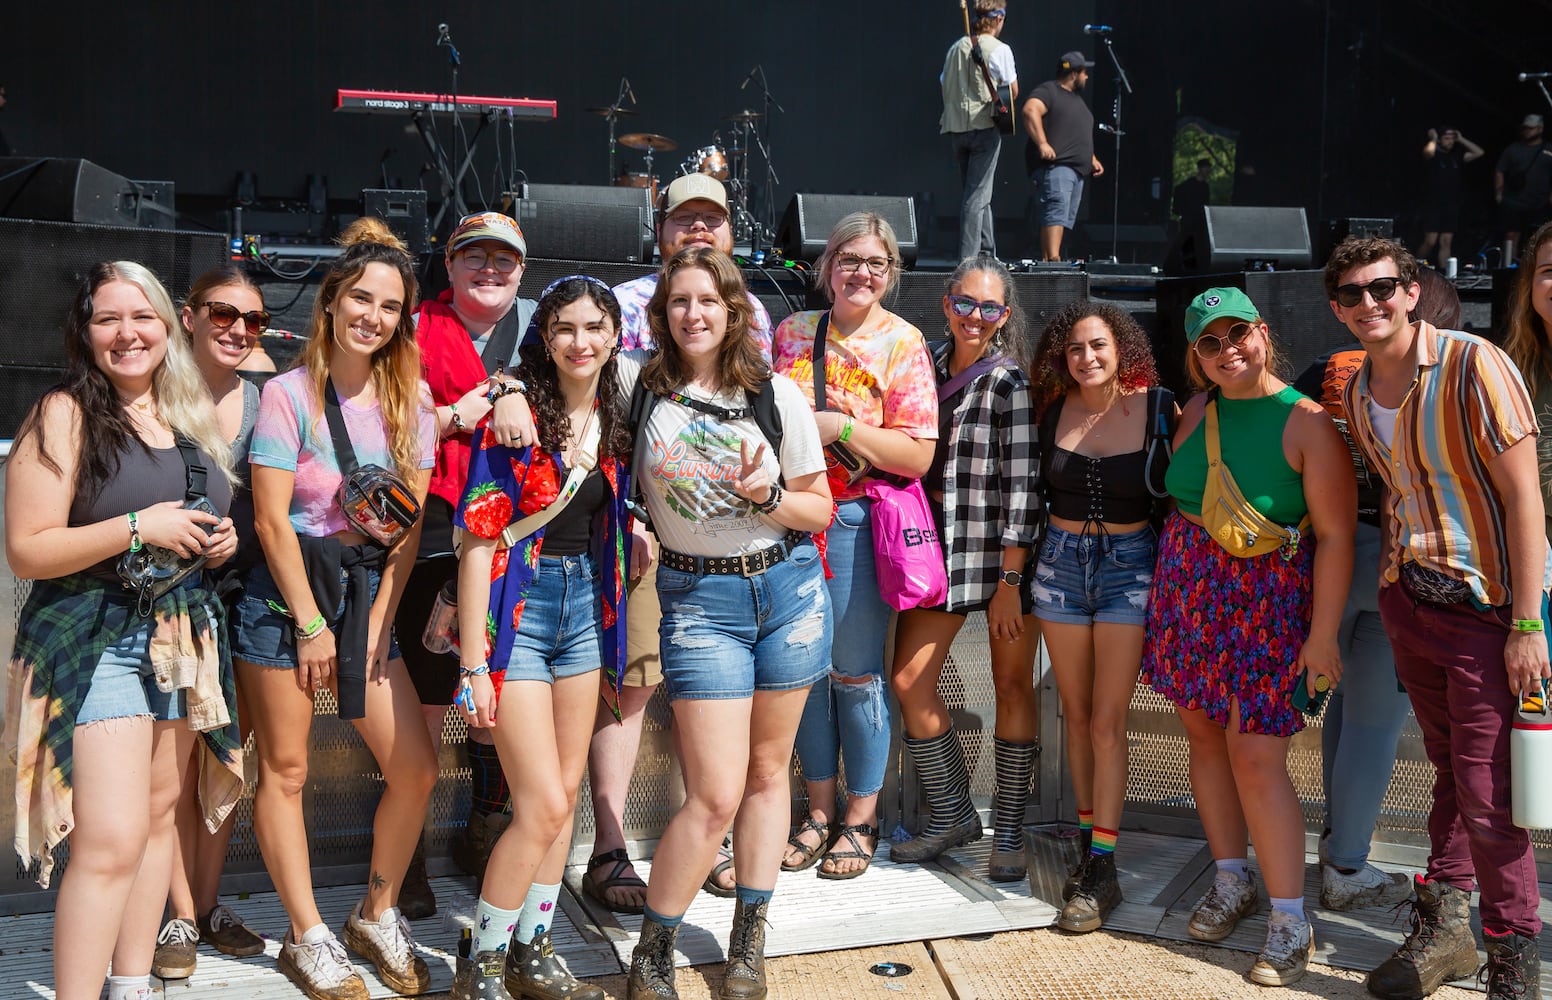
(1466, 407)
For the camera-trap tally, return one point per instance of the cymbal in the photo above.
(648, 140)
(614, 109)
(743, 117)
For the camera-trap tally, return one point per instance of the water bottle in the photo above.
(1530, 763)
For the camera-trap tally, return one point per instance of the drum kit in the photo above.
(729, 164)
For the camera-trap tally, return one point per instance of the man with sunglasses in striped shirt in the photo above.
(1445, 417)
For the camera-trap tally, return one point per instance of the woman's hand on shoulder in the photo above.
(512, 422)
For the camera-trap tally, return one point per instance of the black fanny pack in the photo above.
(151, 571)
(375, 500)
(1434, 587)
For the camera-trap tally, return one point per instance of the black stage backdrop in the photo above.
(1330, 100)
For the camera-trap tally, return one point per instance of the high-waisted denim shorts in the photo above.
(1093, 577)
(561, 632)
(266, 637)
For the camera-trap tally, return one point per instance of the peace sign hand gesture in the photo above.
(754, 483)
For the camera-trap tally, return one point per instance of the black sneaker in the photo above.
(1098, 893)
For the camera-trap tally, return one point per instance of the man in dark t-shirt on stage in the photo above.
(1060, 153)
(1522, 185)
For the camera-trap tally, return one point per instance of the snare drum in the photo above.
(634, 180)
(711, 161)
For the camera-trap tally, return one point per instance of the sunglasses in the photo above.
(964, 307)
(1380, 289)
(1209, 346)
(224, 315)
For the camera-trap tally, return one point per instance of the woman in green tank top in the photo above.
(1230, 638)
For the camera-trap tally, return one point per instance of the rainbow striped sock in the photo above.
(1104, 841)
(1085, 821)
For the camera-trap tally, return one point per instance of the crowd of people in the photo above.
(448, 503)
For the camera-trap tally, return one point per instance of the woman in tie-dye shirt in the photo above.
(879, 412)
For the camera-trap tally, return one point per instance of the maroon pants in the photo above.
(1451, 661)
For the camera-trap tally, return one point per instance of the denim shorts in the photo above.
(263, 636)
(560, 633)
(123, 686)
(1060, 190)
(730, 636)
(1092, 577)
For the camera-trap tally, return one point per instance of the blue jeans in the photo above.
(561, 631)
(842, 720)
(1364, 716)
(976, 153)
(728, 636)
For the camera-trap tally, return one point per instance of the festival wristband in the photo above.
(846, 431)
(457, 421)
(1527, 625)
(135, 543)
(312, 629)
(483, 668)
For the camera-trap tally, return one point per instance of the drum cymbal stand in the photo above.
(766, 222)
(615, 110)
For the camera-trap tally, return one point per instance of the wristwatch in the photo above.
(1011, 577)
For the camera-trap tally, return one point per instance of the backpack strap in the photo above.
(1045, 435)
(820, 334)
(194, 474)
(1160, 441)
(769, 420)
(344, 452)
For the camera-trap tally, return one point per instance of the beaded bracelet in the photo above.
(505, 389)
(313, 629)
(771, 502)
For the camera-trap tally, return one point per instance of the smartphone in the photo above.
(1301, 696)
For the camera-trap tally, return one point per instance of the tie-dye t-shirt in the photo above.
(291, 434)
(688, 461)
(880, 375)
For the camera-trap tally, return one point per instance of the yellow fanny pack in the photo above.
(1233, 523)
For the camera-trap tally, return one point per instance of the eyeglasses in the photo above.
(711, 220)
(877, 266)
(1209, 346)
(1380, 289)
(224, 315)
(505, 261)
(964, 307)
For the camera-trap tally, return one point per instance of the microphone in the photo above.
(442, 37)
(1535, 76)
(1097, 29)
(749, 77)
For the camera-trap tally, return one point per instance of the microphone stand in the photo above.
(766, 226)
(613, 116)
(1123, 86)
(1541, 82)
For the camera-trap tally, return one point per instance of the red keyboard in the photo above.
(377, 102)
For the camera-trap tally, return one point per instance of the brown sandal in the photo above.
(621, 876)
(724, 862)
(807, 854)
(849, 834)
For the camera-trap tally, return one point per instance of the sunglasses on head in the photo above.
(1380, 290)
(964, 307)
(223, 315)
(1210, 345)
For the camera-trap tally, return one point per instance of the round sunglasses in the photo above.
(1210, 345)
(223, 315)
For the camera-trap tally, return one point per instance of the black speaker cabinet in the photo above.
(42, 264)
(1243, 237)
(809, 218)
(20, 387)
(405, 213)
(60, 189)
(587, 222)
(1293, 304)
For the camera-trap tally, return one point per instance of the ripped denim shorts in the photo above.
(728, 636)
(1093, 577)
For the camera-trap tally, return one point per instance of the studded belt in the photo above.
(750, 564)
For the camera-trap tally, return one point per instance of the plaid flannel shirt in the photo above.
(992, 476)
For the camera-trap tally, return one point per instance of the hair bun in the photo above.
(370, 229)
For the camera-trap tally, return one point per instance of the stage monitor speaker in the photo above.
(918, 299)
(42, 264)
(586, 222)
(1293, 304)
(1226, 238)
(809, 218)
(405, 213)
(61, 189)
(1338, 230)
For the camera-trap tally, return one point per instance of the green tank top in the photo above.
(1250, 437)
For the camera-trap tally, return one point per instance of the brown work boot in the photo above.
(743, 977)
(1439, 947)
(652, 963)
(1513, 969)
(471, 852)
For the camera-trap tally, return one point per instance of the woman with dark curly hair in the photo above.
(1232, 633)
(981, 487)
(541, 580)
(1104, 441)
(1529, 344)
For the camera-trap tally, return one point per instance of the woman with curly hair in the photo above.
(1230, 636)
(981, 487)
(323, 575)
(1529, 344)
(541, 580)
(101, 469)
(1104, 439)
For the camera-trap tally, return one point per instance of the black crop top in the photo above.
(1113, 488)
(571, 533)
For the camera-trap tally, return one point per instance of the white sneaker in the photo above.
(1290, 944)
(1368, 886)
(1229, 899)
(319, 966)
(387, 944)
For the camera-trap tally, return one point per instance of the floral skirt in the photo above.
(1221, 628)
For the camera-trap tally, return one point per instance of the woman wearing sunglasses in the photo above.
(1104, 442)
(880, 413)
(552, 592)
(466, 335)
(1229, 638)
(223, 318)
(981, 486)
